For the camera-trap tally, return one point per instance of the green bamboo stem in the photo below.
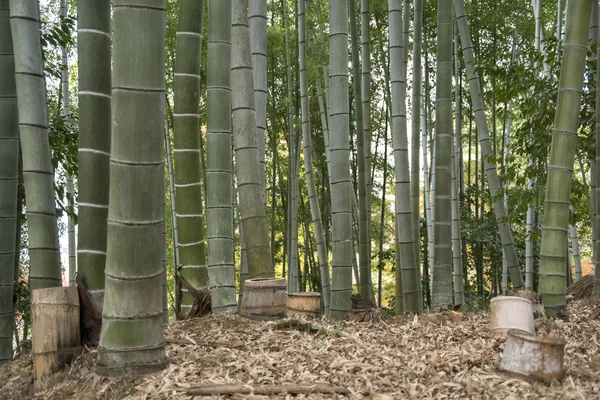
(132, 339)
(363, 173)
(554, 251)
(9, 182)
(219, 205)
(308, 162)
(94, 93)
(486, 149)
(410, 275)
(38, 174)
(257, 21)
(253, 214)
(341, 184)
(187, 172)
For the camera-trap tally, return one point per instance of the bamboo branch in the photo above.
(230, 389)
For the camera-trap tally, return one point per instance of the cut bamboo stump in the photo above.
(533, 357)
(264, 298)
(508, 312)
(55, 334)
(533, 297)
(305, 303)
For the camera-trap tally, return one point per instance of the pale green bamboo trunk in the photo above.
(416, 129)
(363, 175)
(554, 251)
(219, 205)
(365, 20)
(596, 166)
(315, 211)
(94, 63)
(38, 174)
(292, 226)
(186, 124)
(66, 105)
(257, 21)
(404, 221)
(500, 213)
(253, 214)
(442, 277)
(9, 171)
(341, 184)
(132, 339)
(457, 269)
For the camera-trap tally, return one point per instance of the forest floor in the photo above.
(443, 355)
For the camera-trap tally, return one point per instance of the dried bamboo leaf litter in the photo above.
(431, 356)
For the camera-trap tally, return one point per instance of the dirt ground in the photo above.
(447, 355)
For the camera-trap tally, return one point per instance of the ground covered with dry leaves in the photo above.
(447, 355)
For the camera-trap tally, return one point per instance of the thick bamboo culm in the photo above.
(264, 297)
(56, 338)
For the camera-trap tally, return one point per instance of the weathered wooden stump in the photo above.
(55, 334)
(533, 357)
(264, 297)
(508, 312)
(306, 303)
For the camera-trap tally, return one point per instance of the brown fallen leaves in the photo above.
(431, 356)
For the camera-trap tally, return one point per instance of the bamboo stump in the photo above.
(264, 297)
(55, 334)
(305, 303)
(533, 357)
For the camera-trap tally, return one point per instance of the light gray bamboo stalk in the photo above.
(559, 20)
(442, 278)
(175, 238)
(94, 94)
(257, 21)
(456, 235)
(595, 164)
(416, 126)
(292, 245)
(557, 200)
(539, 34)
(219, 208)
(363, 173)
(253, 214)
(38, 174)
(308, 161)
(409, 269)
(426, 189)
(341, 184)
(575, 246)
(64, 81)
(9, 175)
(365, 34)
(186, 127)
(505, 155)
(132, 338)
(500, 213)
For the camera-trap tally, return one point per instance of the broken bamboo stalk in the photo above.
(231, 389)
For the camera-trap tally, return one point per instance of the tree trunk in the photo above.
(341, 184)
(186, 124)
(562, 156)
(9, 183)
(257, 21)
(94, 62)
(219, 205)
(38, 174)
(132, 339)
(251, 191)
(408, 267)
(486, 151)
(363, 173)
(456, 250)
(308, 162)
(442, 277)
